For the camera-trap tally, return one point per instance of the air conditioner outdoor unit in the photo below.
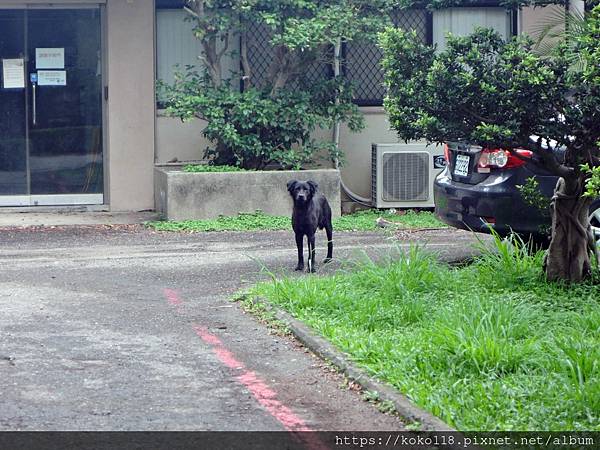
(403, 174)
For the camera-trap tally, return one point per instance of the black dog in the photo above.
(311, 211)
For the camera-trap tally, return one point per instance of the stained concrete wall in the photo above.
(177, 140)
(186, 196)
(131, 104)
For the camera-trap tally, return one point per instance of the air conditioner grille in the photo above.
(405, 176)
(374, 174)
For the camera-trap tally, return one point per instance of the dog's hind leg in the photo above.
(311, 253)
(300, 245)
(329, 231)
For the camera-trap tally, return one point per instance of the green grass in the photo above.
(205, 168)
(360, 221)
(490, 346)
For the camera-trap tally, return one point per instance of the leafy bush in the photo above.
(494, 93)
(254, 128)
(259, 117)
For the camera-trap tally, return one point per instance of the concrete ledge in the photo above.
(180, 195)
(326, 351)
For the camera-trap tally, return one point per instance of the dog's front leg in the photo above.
(329, 231)
(300, 245)
(311, 253)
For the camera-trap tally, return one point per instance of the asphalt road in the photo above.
(126, 329)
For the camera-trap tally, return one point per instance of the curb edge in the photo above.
(326, 351)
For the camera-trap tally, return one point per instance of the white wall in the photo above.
(356, 172)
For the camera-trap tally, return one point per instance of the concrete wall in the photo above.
(177, 140)
(131, 104)
(186, 196)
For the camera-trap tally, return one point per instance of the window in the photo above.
(361, 61)
(175, 43)
(462, 21)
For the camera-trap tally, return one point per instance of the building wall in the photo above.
(533, 20)
(130, 108)
(177, 140)
(131, 104)
(356, 171)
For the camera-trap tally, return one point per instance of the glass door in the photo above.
(55, 155)
(14, 176)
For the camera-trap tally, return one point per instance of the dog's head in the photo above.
(302, 191)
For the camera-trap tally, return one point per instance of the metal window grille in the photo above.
(360, 61)
(260, 58)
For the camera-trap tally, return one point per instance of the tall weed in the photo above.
(508, 261)
(487, 336)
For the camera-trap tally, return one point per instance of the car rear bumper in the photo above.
(495, 203)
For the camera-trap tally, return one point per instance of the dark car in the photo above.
(478, 189)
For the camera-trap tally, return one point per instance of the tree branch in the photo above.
(225, 46)
(549, 160)
(246, 70)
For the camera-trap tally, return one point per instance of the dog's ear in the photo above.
(290, 185)
(313, 186)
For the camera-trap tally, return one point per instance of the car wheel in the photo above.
(595, 220)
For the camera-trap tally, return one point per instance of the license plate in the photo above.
(461, 165)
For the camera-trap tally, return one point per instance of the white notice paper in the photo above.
(49, 58)
(13, 73)
(52, 77)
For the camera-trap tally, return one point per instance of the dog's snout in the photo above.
(302, 194)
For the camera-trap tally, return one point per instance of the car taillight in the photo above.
(447, 154)
(502, 159)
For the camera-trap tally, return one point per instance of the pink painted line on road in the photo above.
(203, 333)
(263, 394)
(173, 297)
(268, 399)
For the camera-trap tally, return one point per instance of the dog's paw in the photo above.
(299, 267)
(326, 260)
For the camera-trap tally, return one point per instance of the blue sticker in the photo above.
(33, 77)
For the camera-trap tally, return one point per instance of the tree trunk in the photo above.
(245, 62)
(572, 242)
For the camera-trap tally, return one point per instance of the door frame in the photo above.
(66, 199)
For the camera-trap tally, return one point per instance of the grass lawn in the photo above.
(360, 221)
(489, 346)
